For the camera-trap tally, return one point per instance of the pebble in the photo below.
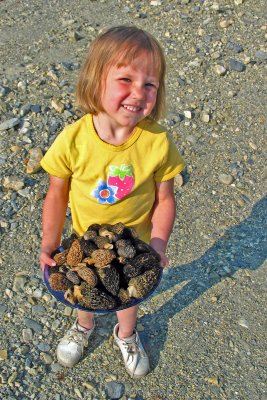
(226, 179)
(12, 378)
(3, 308)
(39, 309)
(47, 358)
(220, 70)
(33, 164)
(188, 114)
(238, 2)
(243, 322)
(58, 105)
(27, 335)
(114, 390)
(213, 380)
(235, 65)
(22, 85)
(262, 55)
(155, 3)
(3, 354)
(88, 385)
(205, 117)
(178, 180)
(225, 23)
(9, 124)
(235, 47)
(55, 367)
(25, 109)
(13, 183)
(19, 283)
(34, 325)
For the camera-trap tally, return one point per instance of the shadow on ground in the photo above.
(242, 246)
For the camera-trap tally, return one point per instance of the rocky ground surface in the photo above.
(205, 326)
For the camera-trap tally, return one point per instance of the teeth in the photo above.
(132, 108)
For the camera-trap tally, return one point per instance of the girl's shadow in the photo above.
(242, 246)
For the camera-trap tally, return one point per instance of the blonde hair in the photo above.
(118, 46)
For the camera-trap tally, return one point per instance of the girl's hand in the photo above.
(164, 261)
(159, 245)
(45, 259)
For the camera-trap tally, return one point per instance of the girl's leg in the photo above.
(127, 321)
(126, 336)
(85, 319)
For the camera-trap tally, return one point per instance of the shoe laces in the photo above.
(78, 337)
(133, 349)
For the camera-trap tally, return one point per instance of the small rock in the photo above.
(188, 114)
(205, 117)
(44, 347)
(12, 378)
(19, 283)
(238, 2)
(13, 183)
(3, 355)
(235, 65)
(24, 192)
(27, 335)
(52, 74)
(243, 322)
(35, 326)
(213, 380)
(39, 309)
(33, 164)
(262, 55)
(56, 367)
(114, 390)
(235, 47)
(226, 179)
(76, 36)
(3, 91)
(9, 124)
(58, 105)
(47, 358)
(25, 109)
(225, 23)
(88, 385)
(36, 108)
(3, 308)
(78, 393)
(178, 180)
(220, 70)
(253, 146)
(155, 3)
(22, 85)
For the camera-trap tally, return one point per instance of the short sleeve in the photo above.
(56, 160)
(172, 163)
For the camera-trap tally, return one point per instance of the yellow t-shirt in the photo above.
(110, 184)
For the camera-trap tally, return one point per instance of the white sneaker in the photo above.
(71, 346)
(134, 355)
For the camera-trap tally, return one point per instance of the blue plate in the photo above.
(60, 295)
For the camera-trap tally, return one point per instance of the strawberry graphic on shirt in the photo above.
(122, 178)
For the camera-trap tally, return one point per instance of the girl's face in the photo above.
(130, 93)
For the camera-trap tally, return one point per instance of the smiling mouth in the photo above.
(131, 108)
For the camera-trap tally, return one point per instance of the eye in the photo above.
(152, 85)
(125, 79)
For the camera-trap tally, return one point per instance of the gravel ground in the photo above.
(204, 327)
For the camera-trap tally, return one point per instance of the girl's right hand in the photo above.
(45, 259)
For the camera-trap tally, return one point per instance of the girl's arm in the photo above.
(163, 217)
(54, 212)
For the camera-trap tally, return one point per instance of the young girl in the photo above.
(115, 164)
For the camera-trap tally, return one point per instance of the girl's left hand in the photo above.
(164, 261)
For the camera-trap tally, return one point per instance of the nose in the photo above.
(138, 92)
